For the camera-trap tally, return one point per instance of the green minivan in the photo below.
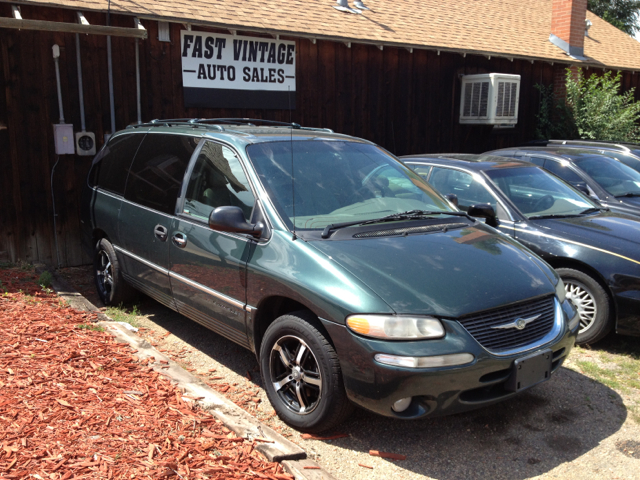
(352, 280)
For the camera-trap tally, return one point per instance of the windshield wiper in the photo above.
(408, 215)
(553, 215)
(591, 210)
(629, 194)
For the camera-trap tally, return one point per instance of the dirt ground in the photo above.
(574, 426)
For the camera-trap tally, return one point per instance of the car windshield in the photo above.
(338, 181)
(629, 159)
(616, 178)
(538, 193)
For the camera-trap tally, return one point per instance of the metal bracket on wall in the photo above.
(138, 24)
(82, 19)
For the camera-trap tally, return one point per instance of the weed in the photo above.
(602, 375)
(120, 314)
(31, 299)
(95, 328)
(7, 265)
(45, 279)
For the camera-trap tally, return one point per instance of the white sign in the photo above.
(230, 62)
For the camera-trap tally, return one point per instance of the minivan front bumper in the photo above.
(434, 391)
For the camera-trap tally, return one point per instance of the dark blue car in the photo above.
(610, 177)
(595, 251)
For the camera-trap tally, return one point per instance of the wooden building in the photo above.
(390, 74)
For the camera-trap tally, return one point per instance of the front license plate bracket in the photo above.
(530, 370)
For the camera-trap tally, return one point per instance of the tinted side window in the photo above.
(157, 172)
(564, 172)
(217, 180)
(469, 191)
(422, 170)
(537, 160)
(109, 170)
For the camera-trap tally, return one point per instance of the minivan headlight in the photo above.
(561, 293)
(395, 327)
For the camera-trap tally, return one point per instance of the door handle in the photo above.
(160, 232)
(179, 240)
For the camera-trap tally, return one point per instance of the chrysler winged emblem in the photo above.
(518, 323)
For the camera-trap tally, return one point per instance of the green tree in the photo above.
(622, 14)
(555, 120)
(599, 111)
(593, 109)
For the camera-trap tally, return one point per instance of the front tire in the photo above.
(112, 288)
(592, 303)
(302, 375)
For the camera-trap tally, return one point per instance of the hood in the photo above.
(446, 274)
(631, 202)
(609, 231)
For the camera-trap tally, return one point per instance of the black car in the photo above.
(630, 151)
(605, 175)
(595, 251)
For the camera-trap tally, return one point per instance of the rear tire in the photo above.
(592, 302)
(112, 288)
(301, 374)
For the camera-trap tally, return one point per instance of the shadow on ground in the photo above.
(553, 423)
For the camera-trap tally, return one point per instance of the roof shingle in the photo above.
(518, 28)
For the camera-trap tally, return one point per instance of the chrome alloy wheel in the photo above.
(584, 302)
(104, 273)
(295, 375)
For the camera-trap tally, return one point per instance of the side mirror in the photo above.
(231, 219)
(484, 210)
(453, 198)
(582, 186)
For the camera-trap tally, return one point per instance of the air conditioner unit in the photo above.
(490, 99)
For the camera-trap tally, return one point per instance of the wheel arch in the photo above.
(268, 310)
(97, 235)
(563, 262)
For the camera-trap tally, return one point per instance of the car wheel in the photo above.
(592, 303)
(302, 375)
(112, 288)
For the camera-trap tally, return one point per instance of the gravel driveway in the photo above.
(569, 427)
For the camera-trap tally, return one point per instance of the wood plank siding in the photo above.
(406, 102)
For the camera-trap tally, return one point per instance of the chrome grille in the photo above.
(480, 325)
(401, 231)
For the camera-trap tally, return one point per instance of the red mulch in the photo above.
(76, 404)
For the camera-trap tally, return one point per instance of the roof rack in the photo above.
(246, 121)
(165, 122)
(622, 146)
(213, 123)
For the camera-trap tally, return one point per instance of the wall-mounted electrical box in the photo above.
(85, 143)
(490, 99)
(63, 138)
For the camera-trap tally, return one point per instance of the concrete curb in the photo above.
(278, 449)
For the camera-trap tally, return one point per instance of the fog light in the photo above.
(425, 362)
(401, 405)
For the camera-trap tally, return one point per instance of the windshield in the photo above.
(616, 178)
(538, 193)
(629, 159)
(338, 181)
